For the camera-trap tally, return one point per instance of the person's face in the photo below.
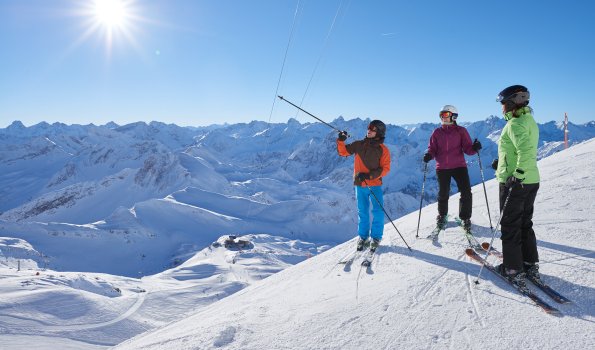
(446, 116)
(371, 131)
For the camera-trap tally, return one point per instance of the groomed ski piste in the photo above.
(425, 299)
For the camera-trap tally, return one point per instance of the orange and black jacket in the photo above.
(371, 156)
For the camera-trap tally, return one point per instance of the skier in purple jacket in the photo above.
(447, 145)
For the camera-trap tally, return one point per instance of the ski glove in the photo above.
(512, 181)
(342, 136)
(495, 164)
(476, 145)
(427, 157)
(363, 176)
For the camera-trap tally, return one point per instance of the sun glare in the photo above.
(110, 13)
(116, 22)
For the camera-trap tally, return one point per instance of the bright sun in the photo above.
(111, 20)
(111, 13)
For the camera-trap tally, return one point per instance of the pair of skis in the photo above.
(545, 306)
(366, 261)
(475, 247)
(473, 242)
(559, 298)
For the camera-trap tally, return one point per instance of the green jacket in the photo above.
(517, 148)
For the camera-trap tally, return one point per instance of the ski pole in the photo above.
(494, 233)
(312, 115)
(483, 182)
(391, 220)
(423, 185)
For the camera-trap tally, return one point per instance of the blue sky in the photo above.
(193, 62)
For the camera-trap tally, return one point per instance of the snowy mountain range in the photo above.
(160, 191)
(252, 297)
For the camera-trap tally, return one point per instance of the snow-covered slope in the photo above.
(45, 309)
(425, 299)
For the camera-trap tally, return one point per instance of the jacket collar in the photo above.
(517, 113)
(374, 141)
(448, 126)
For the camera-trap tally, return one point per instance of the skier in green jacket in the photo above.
(516, 170)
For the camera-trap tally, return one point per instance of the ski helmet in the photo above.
(380, 127)
(514, 96)
(449, 109)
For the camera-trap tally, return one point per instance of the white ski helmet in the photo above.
(453, 111)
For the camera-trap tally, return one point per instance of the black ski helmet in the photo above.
(514, 96)
(380, 128)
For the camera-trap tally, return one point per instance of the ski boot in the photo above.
(361, 244)
(518, 278)
(532, 272)
(467, 225)
(441, 222)
(375, 243)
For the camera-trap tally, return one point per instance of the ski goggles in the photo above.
(448, 114)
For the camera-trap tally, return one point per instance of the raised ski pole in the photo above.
(483, 182)
(391, 220)
(312, 115)
(423, 185)
(494, 233)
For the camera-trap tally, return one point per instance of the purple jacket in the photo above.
(447, 145)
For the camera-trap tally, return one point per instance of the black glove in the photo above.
(363, 176)
(513, 181)
(476, 145)
(427, 157)
(495, 164)
(342, 136)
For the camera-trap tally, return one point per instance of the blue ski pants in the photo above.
(364, 197)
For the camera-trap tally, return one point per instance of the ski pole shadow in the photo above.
(583, 297)
(577, 252)
(486, 232)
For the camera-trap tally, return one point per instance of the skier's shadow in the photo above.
(583, 297)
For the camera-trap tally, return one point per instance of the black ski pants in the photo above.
(461, 176)
(518, 238)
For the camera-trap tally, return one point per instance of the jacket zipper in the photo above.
(447, 148)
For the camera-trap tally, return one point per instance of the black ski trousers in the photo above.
(518, 238)
(461, 176)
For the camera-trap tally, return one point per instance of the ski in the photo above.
(491, 250)
(473, 242)
(434, 234)
(368, 258)
(559, 298)
(350, 258)
(534, 297)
